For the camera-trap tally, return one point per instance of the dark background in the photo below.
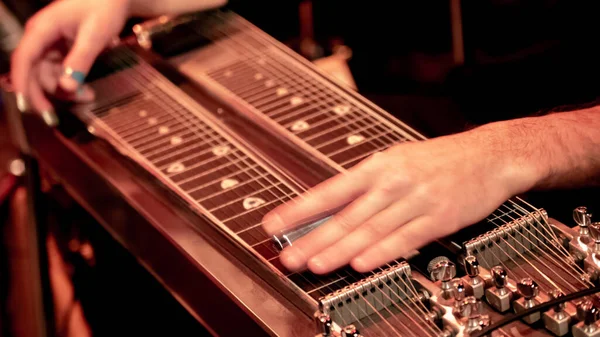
(522, 58)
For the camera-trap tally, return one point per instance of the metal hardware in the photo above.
(443, 270)
(557, 320)
(499, 296)
(350, 331)
(528, 289)
(587, 313)
(289, 237)
(324, 324)
(475, 282)
(594, 230)
(583, 219)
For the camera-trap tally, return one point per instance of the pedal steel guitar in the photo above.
(203, 123)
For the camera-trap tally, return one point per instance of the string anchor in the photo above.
(528, 289)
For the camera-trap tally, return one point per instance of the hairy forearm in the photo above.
(553, 151)
(151, 8)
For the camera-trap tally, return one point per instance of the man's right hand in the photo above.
(58, 48)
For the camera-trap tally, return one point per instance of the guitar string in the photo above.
(546, 226)
(549, 249)
(398, 307)
(311, 282)
(252, 49)
(528, 261)
(368, 303)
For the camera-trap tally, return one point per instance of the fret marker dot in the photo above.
(269, 83)
(176, 140)
(228, 73)
(258, 76)
(281, 91)
(252, 202)
(341, 109)
(300, 126)
(354, 139)
(143, 113)
(152, 121)
(176, 168)
(221, 150)
(163, 130)
(296, 100)
(227, 183)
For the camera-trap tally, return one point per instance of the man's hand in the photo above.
(396, 201)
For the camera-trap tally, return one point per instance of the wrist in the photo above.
(514, 157)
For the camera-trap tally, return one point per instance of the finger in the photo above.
(337, 228)
(402, 241)
(40, 34)
(90, 41)
(49, 80)
(372, 231)
(320, 201)
(41, 104)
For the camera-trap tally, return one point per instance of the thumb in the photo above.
(91, 39)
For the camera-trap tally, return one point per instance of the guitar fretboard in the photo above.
(310, 110)
(145, 115)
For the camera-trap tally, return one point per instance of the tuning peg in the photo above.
(350, 331)
(472, 309)
(499, 296)
(324, 324)
(459, 290)
(581, 216)
(475, 281)
(499, 277)
(587, 312)
(529, 289)
(583, 219)
(557, 320)
(442, 269)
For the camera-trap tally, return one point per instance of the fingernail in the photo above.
(292, 259)
(68, 83)
(85, 94)
(22, 102)
(316, 264)
(49, 118)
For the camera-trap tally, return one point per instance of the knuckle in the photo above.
(375, 230)
(343, 222)
(35, 23)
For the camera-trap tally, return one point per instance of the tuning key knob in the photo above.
(556, 294)
(499, 276)
(528, 288)
(587, 312)
(459, 291)
(472, 266)
(581, 216)
(442, 269)
(350, 331)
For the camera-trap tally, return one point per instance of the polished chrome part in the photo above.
(499, 296)
(471, 311)
(475, 284)
(510, 240)
(557, 320)
(583, 219)
(441, 269)
(594, 230)
(289, 237)
(145, 31)
(358, 300)
(350, 331)
(459, 296)
(587, 313)
(529, 290)
(324, 324)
